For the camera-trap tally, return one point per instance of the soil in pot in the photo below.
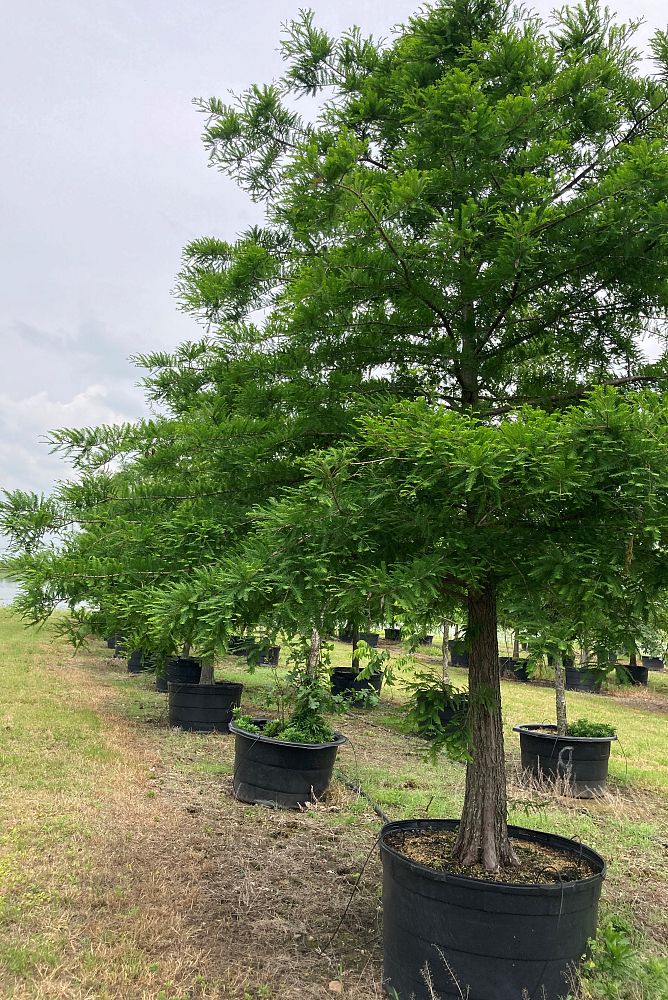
(139, 661)
(580, 763)
(281, 774)
(345, 679)
(180, 670)
(203, 707)
(392, 635)
(583, 680)
(482, 937)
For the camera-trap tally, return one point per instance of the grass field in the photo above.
(128, 871)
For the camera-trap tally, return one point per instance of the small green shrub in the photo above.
(593, 730)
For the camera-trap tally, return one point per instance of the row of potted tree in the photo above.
(421, 395)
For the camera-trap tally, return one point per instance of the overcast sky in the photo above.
(103, 179)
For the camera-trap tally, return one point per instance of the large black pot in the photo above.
(268, 656)
(459, 705)
(426, 640)
(652, 662)
(583, 680)
(497, 939)
(180, 670)
(239, 645)
(392, 635)
(638, 676)
(514, 668)
(370, 638)
(344, 680)
(278, 773)
(139, 661)
(459, 655)
(111, 641)
(581, 762)
(203, 708)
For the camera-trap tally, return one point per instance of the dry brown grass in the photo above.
(163, 887)
(178, 888)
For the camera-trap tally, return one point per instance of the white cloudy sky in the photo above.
(103, 179)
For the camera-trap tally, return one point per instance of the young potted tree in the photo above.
(494, 298)
(288, 761)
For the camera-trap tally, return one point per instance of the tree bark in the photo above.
(516, 645)
(560, 693)
(314, 654)
(483, 833)
(633, 660)
(445, 656)
(185, 652)
(206, 677)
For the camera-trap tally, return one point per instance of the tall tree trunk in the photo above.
(206, 677)
(314, 654)
(633, 660)
(445, 656)
(185, 652)
(516, 645)
(456, 636)
(483, 833)
(560, 693)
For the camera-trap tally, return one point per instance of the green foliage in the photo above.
(615, 971)
(429, 697)
(308, 699)
(300, 700)
(422, 376)
(594, 730)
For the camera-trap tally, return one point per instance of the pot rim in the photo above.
(338, 740)
(487, 885)
(216, 686)
(532, 729)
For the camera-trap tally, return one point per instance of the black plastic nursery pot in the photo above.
(111, 641)
(345, 636)
(652, 662)
(514, 668)
(582, 680)
(638, 676)
(281, 774)
(426, 640)
(480, 939)
(180, 670)
(139, 661)
(203, 708)
(392, 635)
(268, 656)
(344, 679)
(459, 706)
(581, 762)
(459, 655)
(370, 638)
(239, 645)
